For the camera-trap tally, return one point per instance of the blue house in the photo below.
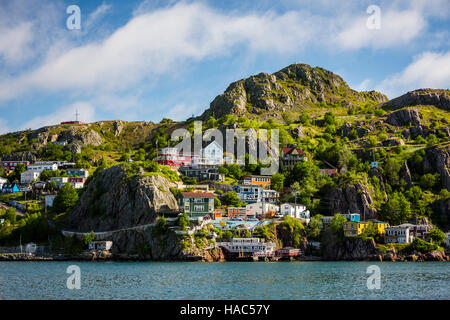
(10, 188)
(248, 193)
(352, 217)
(78, 172)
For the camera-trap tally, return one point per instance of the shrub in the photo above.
(88, 237)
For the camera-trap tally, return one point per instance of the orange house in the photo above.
(260, 181)
(237, 212)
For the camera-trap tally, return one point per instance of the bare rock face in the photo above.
(148, 245)
(405, 174)
(21, 156)
(114, 201)
(439, 98)
(81, 136)
(118, 127)
(404, 117)
(349, 249)
(438, 160)
(392, 142)
(353, 198)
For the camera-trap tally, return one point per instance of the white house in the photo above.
(295, 210)
(100, 245)
(77, 184)
(211, 155)
(2, 182)
(256, 209)
(398, 234)
(42, 167)
(29, 176)
(60, 181)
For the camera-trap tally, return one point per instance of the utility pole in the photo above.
(76, 115)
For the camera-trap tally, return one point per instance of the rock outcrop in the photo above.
(347, 249)
(353, 198)
(113, 200)
(405, 174)
(404, 117)
(437, 159)
(436, 97)
(293, 87)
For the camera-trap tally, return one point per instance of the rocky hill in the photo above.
(290, 89)
(114, 200)
(436, 97)
(335, 125)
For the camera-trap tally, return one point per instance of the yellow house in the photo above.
(354, 228)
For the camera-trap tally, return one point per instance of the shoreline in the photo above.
(428, 257)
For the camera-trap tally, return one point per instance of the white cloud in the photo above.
(428, 70)
(96, 15)
(159, 42)
(363, 85)
(397, 28)
(4, 126)
(15, 41)
(67, 113)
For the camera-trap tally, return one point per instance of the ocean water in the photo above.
(230, 280)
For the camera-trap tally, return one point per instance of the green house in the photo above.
(197, 204)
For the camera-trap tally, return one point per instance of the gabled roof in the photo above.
(291, 150)
(197, 195)
(213, 144)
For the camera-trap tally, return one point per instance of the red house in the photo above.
(11, 165)
(171, 157)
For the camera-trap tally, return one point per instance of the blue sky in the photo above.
(145, 60)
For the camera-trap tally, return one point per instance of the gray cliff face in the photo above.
(404, 117)
(353, 198)
(348, 249)
(113, 201)
(438, 160)
(438, 98)
(148, 245)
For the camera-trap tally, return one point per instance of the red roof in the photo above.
(289, 150)
(197, 195)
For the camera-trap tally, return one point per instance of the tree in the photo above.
(231, 199)
(18, 170)
(337, 224)
(432, 140)
(88, 237)
(11, 215)
(277, 181)
(304, 118)
(427, 181)
(217, 202)
(313, 228)
(161, 226)
(436, 236)
(66, 199)
(391, 170)
(397, 209)
(228, 234)
(234, 170)
(329, 118)
(183, 221)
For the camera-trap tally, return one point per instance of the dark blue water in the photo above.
(230, 280)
